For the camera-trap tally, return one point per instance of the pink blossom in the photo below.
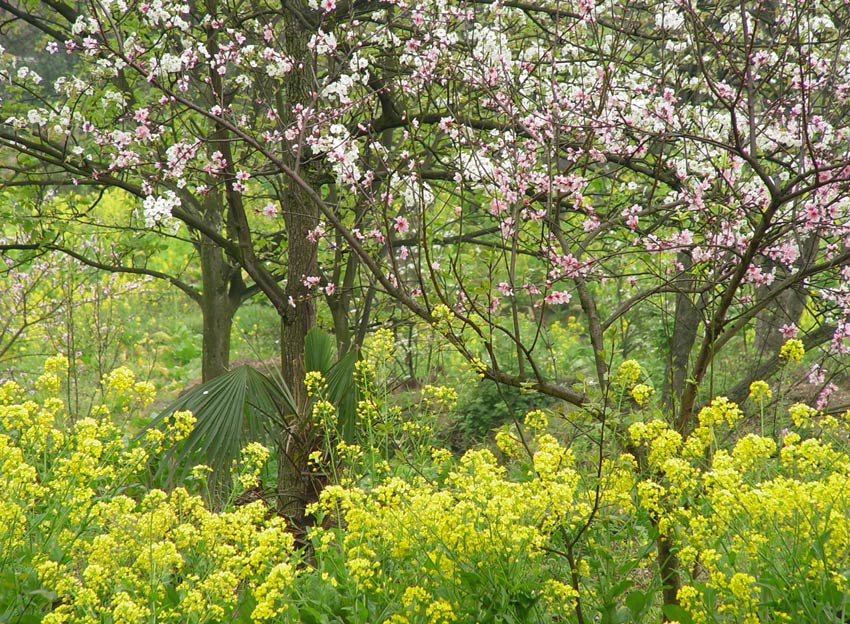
(823, 397)
(506, 289)
(507, 227)
(591, 223)
(316, 233)
(755, 275)
(401, 225)
(557, 297)
(270, 210)
(310, 281)
(681, 239)
(631, 216)
(786, 253)
(571, 266)
(788, 331)
(839, 343)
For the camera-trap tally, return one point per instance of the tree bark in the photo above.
(219, 301)
(300, 216)
(685, 325)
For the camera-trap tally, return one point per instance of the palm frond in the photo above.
(239, 407)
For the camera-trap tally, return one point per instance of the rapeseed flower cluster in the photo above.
(641, 393)
(742, 521)
(792, 350)
(760, 392)
(720, 410)
(124, 393)
(92, 545)
(476, 528)
(628, 378)
(760, 526)
(628, 373)
(314, 383)
(55, 368)
(439, 397)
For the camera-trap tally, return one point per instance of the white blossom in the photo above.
(158, 210)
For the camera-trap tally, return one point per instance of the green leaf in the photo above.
(342, 392)
(620, 587)
(319, 355)
(239, 407)
(676, 612)
(319, 351)
(636, 602)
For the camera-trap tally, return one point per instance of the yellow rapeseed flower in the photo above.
(802, 415)
(641, 393)
(760, 392)
(180, 425)
(719, 411)
(439, 396)
(508, 443)
(628, 373)
(314, 382)
(793, 350)
(537, 420)
(741, 585)
(440, 612)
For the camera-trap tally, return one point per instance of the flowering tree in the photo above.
(671, 162)
(168, 104)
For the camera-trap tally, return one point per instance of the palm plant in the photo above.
(246, 405)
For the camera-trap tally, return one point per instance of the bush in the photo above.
(487, 406)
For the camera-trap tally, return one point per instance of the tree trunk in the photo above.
(786, 309)
(218, 306)
(685, 325)
(301, 216)
(668, 564)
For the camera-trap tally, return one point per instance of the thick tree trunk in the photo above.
(301, 217)
(218, 306)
